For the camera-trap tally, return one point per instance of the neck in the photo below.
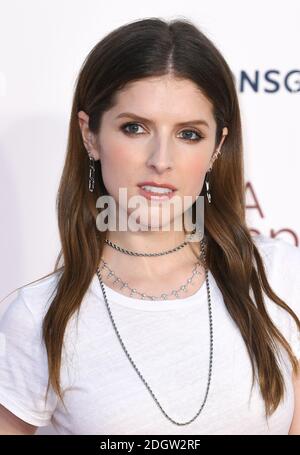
(145, 267)
(147, 241)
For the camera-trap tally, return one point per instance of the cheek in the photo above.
(117, 155)
(117, 165)
(195, 171)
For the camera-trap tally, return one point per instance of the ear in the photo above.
(218, 150)
(88, 137)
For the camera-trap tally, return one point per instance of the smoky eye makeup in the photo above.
(187, 134)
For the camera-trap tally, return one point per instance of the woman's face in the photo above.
(142, 138)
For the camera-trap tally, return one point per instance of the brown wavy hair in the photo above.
(136, 50)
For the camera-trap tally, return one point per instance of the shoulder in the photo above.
(276, 246)
(23, 356)
(282, 264)
(279, 255)
(31, 301)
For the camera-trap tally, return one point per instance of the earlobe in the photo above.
(83, 120)
(225, 133)
(87, 136)
(92, 149)
(218, 150)
(83, 116)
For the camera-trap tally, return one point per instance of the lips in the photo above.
(162, 185)
(156, 196)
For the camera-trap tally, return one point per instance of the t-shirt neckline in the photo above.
(115, 297)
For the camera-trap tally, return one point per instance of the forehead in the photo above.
(165, 95)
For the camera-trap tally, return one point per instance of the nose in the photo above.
(161, 159)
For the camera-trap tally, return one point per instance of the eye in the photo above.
(191, 132)
(130, 124)
(133, 128)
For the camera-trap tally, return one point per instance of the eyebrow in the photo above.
(143, 119)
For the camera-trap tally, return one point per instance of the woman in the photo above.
(142, 331)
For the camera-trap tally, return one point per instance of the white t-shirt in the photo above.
(169, 343)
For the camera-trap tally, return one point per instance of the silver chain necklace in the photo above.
(134, 253)
(143, 296)
(210, 329)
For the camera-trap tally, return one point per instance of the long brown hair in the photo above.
(136, 50)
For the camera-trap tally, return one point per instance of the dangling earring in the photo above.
(207, 187)
(207, 176)
(91, 174)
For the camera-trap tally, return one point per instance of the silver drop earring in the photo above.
(91, 174)
(207, 187)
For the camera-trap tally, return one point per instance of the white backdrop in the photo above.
(42, 46)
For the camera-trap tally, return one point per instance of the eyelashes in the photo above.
(188, 139)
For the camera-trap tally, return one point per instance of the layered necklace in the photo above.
(163, 297)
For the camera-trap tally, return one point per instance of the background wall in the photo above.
(42, 46)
